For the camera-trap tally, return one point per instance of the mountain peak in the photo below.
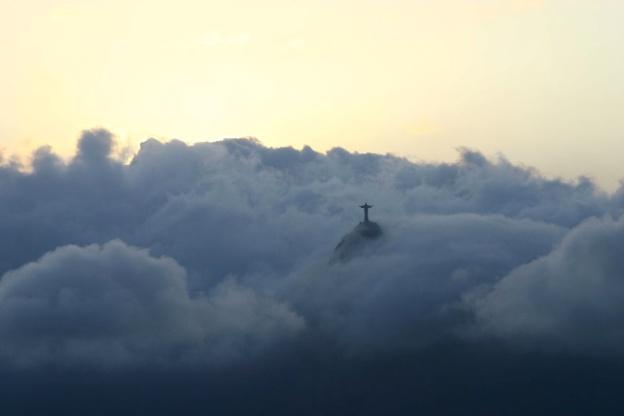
(356, 240)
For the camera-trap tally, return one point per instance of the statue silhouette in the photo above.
(366, 207)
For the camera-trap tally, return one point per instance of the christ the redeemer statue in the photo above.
(365, 207)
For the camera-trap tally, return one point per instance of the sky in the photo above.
(539, 81)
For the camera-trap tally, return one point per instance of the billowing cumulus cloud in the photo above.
(115, 305)
(571, 299)
(405, 290)
(219, 257)
(240, 236)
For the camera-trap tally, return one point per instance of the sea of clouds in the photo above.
(216, 255)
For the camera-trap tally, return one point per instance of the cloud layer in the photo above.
(218, 254)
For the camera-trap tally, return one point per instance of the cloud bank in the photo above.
(217, 255)
(527, 251)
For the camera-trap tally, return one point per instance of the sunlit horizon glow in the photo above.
(539, 81)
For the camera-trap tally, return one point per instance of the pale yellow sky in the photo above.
(541, 81)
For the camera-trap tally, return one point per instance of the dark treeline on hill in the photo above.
(203, 278)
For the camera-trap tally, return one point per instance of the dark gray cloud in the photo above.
(269, 218)
(115, 305)
(216, 257)
(572, 299)
(404, 290)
